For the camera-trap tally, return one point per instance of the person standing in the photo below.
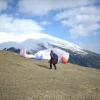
(53, 60)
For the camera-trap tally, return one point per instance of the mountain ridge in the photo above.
(78, 55)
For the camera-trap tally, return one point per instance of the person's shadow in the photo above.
(42, 66)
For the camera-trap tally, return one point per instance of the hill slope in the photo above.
(78, 55)
(30, 79)
(39, 41)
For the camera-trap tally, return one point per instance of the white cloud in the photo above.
(42, 7)
(4, 4)
(15, 25)
(82, 31)
(95, 33)
(87, 10)
(82, 20)
(45, 23)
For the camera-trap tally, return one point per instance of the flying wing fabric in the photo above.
(45, 55)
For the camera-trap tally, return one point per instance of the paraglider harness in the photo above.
(55, 58)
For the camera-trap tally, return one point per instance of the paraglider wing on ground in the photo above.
(45, 55)
(24, 54)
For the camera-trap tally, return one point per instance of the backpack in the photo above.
(55, 61)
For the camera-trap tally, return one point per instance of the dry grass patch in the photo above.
(30, 79)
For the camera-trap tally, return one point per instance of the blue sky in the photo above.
(76, 21)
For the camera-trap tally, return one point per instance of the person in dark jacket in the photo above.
(52, 60)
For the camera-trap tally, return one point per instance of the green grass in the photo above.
(30, 79)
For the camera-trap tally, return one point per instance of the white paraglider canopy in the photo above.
(45, 55)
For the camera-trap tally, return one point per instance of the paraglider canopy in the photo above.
(45, 55)
(24, 54)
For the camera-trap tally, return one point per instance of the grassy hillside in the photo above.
(30, 79)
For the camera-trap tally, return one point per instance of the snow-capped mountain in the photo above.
(35, 41)
(42, 41)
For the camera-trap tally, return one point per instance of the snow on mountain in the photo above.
(31, 44)
(63, 44)
(39, 41)
(36, 40)
(5, 37)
